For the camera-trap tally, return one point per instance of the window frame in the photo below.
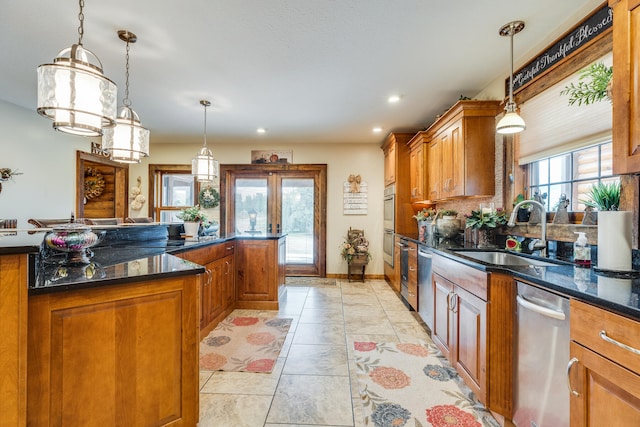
(156, 173)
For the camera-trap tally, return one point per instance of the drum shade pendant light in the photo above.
(73, 91)
(203, 165)
(128, 141)
(511, 122)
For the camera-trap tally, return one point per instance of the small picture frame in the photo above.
(271, 157)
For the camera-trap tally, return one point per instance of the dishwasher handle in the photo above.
(559, 315)
(424, 254)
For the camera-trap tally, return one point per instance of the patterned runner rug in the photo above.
(310, 281)
(244, 344)
(413, 385)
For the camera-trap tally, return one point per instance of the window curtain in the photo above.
(554, 127)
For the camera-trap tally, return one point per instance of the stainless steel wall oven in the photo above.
(388, 223)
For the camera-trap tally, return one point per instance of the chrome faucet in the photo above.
(541, 243)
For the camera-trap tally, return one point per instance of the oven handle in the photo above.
(540, 310)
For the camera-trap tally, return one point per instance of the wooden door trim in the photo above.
(121, 204)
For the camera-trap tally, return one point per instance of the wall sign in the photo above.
(591, 28)
(355, 192)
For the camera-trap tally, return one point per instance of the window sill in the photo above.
(558, 232)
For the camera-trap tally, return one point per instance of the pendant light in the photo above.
(203, 165)
(73, 91)
(128, 141)
(511, 122)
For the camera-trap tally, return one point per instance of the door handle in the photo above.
(278, 228)
(569, 366)
(269, 228)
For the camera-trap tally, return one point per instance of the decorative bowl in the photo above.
(74, 239)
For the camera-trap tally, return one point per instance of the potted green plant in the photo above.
(614, 226)
(193, 218)
(483, 226)
(593, 85)
(448, 214)
(425, 219)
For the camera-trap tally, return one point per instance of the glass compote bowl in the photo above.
(74, 239)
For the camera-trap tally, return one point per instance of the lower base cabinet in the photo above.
(260, 273)
(473, 327)
(604, 375)
(121, 355)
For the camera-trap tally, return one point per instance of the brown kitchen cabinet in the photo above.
(394, 279)
(217, 286)
(463, 147)
(473, 327)
(115, 355)
(390, 164)
(13, 357)
(260, 273)
(626, 86)
(417, 171)
(603, 374)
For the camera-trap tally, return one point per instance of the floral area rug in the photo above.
(413, 385)
(249, 344)
(310, 281)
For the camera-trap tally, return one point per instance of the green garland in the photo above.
(208, 197)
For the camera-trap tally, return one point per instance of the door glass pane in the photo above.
(251, 206)
(297, 219)
(177, 190)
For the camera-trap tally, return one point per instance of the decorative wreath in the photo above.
(93, 183)
(208, 197)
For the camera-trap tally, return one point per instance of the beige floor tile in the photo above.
(321, 315)
(362, 326)
(411, 332)
(245, 382)
(317, 333)
(233, 410)
(310, 399)
(401, 316)
(323, 302)
(317, 360)
(204, 377)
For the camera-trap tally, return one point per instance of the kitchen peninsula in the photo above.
(125, 324)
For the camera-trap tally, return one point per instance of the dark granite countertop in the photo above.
(124, 254)
(615, 292)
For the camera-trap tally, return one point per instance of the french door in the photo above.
(288, 199)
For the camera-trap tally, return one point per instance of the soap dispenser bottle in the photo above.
(582, 251)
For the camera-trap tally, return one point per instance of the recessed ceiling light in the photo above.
(261, 130)
(393, 99)
(377, 129)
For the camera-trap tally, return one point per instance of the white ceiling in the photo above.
(307, 70)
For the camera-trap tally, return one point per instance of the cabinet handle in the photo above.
(229, 248)
(449, 303)
(604, 336)
(412, 269)
(208, 273)
(454, 302)
(569, 366)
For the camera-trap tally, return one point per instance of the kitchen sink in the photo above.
(504, 258)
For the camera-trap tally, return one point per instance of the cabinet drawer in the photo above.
(593, 327)
(207, 254)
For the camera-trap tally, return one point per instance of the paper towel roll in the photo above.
(614, 240)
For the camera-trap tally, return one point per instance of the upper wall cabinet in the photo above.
(417, 161)
(395, 156)
(461, 154)
(626, 86)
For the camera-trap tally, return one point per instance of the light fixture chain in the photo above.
(511, 32)
(126, 100)
(205, 124)
(81, 19)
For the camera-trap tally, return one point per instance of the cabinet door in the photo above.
(416, 167)
(453, 167)
(395, 284)
(434, 158)
(229, 289)
(608, 394)
(217, 268)
(390, 165)
(442, 332)
(469, 341)
(256, 272)
(626, 86)
(205, 298)
(412, 278)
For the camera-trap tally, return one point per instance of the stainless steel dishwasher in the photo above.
(425, 286)
(541, 397)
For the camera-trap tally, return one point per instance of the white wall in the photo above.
(47, 160)
(367, 160)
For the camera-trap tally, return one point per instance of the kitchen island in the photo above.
(110, 342)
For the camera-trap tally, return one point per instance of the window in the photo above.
(174, 188)
(571, 174)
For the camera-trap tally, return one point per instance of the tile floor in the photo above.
(314, 381)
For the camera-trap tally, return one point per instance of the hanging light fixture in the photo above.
(511, 122)
(128, 141)
(74, 93)
(203, 165)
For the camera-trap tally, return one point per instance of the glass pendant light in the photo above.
(73, 91)
(511, 122)
(128, 141)
(203, 165)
